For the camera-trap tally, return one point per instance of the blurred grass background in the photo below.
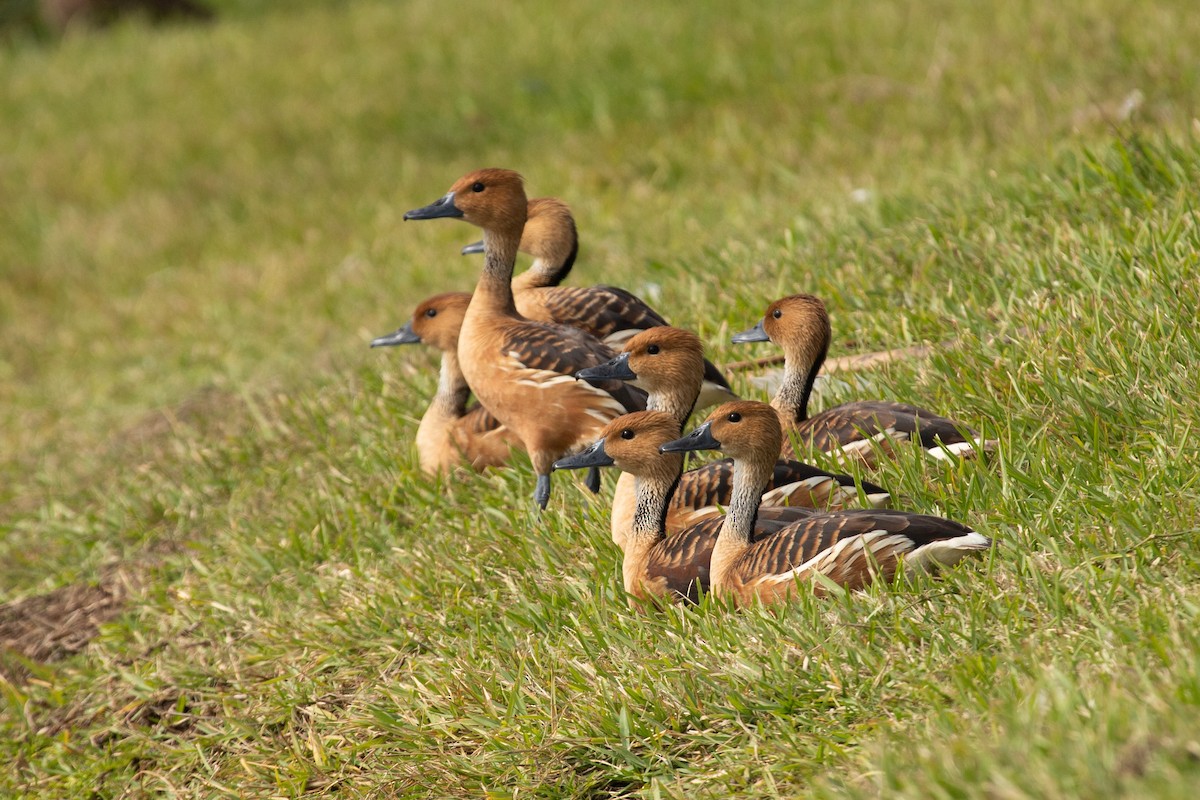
(200, 230)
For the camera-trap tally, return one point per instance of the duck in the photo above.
(850, 548)
(523, 371)
(609, 313)
(660, 565)
(856, 430)
(449, 431)
(666, 362)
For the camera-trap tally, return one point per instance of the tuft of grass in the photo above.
(206, 232)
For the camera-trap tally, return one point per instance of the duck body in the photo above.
(450, 431)
(657, 565)
(521, 370)
(856, 430)
(668, 364)
(850, 548)
(524, 374)
(677, 567)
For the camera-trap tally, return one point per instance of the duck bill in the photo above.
(594, 456)
(405, 335)
(471, 249)
(755, 334)
(617, 369)
(699, 439)
(442, 207)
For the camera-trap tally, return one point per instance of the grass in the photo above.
(200, 230)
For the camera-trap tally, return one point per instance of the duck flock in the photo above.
(583, 378)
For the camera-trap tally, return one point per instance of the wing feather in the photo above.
(853, 422)
(847, 546)
(599, 310)
(557, 352)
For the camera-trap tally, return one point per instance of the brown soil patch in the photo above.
(57, 624)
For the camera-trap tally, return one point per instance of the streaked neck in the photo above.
(750, 480)
(452, 391)
(677, 401)
(494, 289)
(799, 374)
(650, 513)
(737, 532)
(649, 525)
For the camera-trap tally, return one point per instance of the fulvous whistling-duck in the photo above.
(607, 312)
(659, 564)
(849, 548)
(450, 432)
(668, 363)
(522, 370)
(800, 325)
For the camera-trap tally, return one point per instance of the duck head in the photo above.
(791, 322)
(436, 321)
(493, 199)
(631, 443)
(743, 429)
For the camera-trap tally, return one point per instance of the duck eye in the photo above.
(477, 186)
(777, 313)
(627, 434)
(652, 349)
(432, 312)
(734, 417)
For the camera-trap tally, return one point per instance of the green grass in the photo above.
(200, 230)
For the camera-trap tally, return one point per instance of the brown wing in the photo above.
(851, 566)
(599, 310)
(681, 561)
(853, 422)
(711, 485)
(566, 350)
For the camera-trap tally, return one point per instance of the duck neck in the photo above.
(435, 433)
(452, 391)
(799, 374)
(677, 401)
(494, 290)
(550, 268)
(649, 527)
(650, 514)
(750, 480)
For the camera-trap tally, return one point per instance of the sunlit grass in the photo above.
(206, 232)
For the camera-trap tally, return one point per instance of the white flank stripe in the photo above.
(967, 449)
(866, 445)
(880, 500)
(947, 552)
(780, 493)
(824, 560)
